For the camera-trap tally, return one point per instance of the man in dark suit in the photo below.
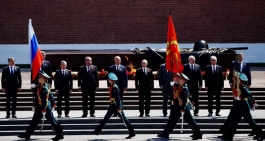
(165, 77)
(144, 84)
(47, 68)
(63, 83)
(241, 66)
(193, 71)
(214, 84)
(120, 71)
(11, 83)
(88, 83)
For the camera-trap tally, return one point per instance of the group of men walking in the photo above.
(181, 89)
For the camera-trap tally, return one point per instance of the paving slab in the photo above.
(114, 137)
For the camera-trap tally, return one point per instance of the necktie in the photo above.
(88, 70)
(214, 70)
(117, 67)
(239, 67)
(144, 72)
(12, 72)
(192, 69)
(63, 72)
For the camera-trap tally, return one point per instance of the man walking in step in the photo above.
(214, 84)
(115, 106)
(193, 71)
(120, 71)
(144, 84)
(11, 84)
(63, 83)
(88, 83)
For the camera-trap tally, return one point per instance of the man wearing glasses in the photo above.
(214, 84)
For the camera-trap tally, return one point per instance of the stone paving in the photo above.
(147, 137)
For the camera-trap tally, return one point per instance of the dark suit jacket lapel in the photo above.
(8, 71)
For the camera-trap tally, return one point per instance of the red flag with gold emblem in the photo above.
(173, 59)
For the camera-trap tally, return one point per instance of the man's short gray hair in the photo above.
(117, 57)
(10, 58)
(63, 62)
(144, 60)
(191, 57)
(240, 54)
(213, 58)
(88, 57)
(42, 52)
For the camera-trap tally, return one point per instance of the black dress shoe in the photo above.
(260, 139)
(92, 115)
(209, 115)
(163, 136)
(93, 132)
(130, 136)
(219, 132)
(59, 116)
(225, 138)
(197, 137)
(56, 138)
(147, 115)
(7, 116)
(141, 115)
(255, 137)
(252, 134)
(23, 136)
(196, 114)
(84, 115)
(217, 114)
(14, 116)
(67, 116)
(165, 115)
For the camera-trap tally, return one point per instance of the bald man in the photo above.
(144, 84)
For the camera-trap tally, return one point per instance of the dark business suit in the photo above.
(11, 82)
(165, 77)
(88, 80)
(122, 81)
(47, 68)
(195, 78)
(63, 83)
(246, 70)
(144, 83)
(214, 82)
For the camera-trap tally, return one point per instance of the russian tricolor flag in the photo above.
(36, 57)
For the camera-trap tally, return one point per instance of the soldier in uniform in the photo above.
(115, 105)
(242, 109)
(43, 108)
(122, 82)
(179, 107)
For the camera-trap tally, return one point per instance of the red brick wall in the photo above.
(132, 21)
